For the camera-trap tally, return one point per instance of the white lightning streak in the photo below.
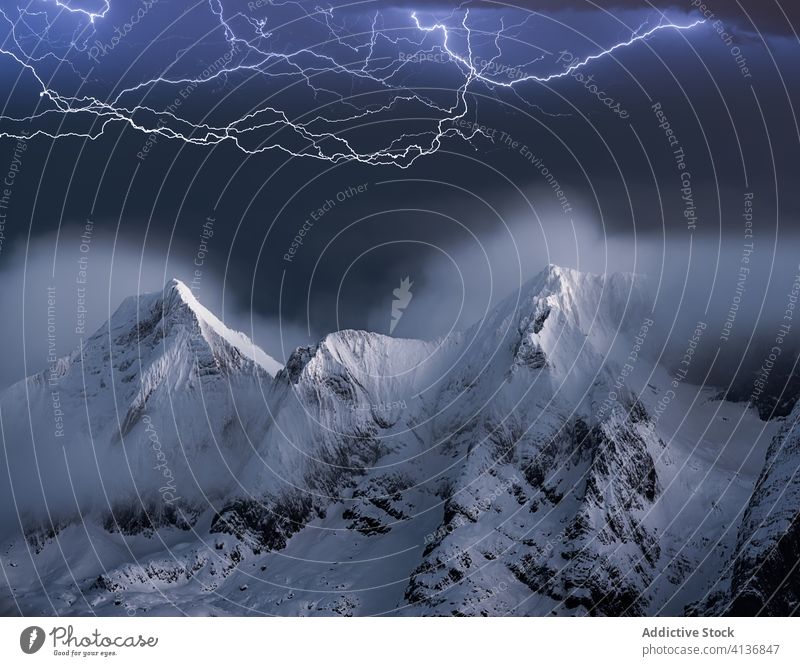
(532, 77)
(83, 12)
(323, 135)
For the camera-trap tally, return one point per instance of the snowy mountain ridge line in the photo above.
(369, 459)
(234, 338)
(162, 355)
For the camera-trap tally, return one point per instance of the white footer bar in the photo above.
(354, 641)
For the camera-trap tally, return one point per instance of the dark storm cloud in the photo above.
(767, 16)
(344, 276)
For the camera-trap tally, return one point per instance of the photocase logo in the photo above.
(31, 639)
(402, 297)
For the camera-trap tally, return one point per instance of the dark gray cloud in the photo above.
(766, 16)
(619, 176)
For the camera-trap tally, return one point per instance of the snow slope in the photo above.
(762, 575)
(525, 465)
(157, 409)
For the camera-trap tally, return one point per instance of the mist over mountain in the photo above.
(540, 461)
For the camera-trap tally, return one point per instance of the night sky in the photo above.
(171, 129)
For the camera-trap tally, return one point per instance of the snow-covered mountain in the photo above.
(535, 463)
(154, 413)
(763, 575)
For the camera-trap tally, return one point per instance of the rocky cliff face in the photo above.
(763, 574)
(516, 467)
(564, 527)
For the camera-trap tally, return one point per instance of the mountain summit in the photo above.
(526, 465)
(163, 390)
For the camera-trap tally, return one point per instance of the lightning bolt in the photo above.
(32, 638)
(474, 73)
(83, 12)
(330, 135)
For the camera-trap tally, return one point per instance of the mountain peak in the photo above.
(574, 284)
(178, 286)
(555, 270)
(175, 307)
(553, 274)
(571, 286)
(177, 293)
(561, 312)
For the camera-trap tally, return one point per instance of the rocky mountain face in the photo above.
(527, 465)
(763, 576)
(154, 413)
